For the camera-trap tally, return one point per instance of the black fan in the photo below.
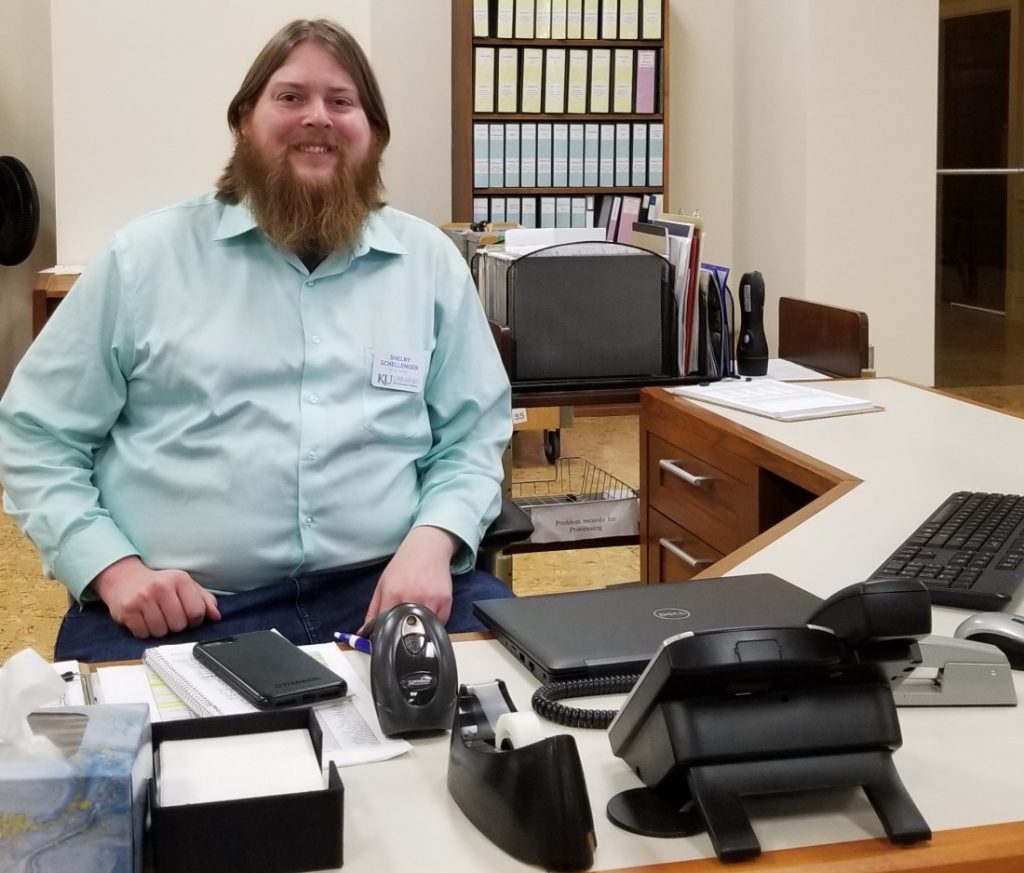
(19, 211)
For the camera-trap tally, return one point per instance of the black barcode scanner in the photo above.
(752, 347)
(413, 677)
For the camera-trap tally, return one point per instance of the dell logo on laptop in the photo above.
(671, 613)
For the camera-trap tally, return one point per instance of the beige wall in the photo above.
(26, 120)
(813, 138)
(803, 129)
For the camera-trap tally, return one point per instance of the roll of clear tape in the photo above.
(517, 729)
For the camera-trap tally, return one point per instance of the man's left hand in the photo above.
(420, 572)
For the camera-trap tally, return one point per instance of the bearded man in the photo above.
(278, 405)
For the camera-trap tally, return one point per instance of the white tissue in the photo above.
(27, 682)
(517, 729)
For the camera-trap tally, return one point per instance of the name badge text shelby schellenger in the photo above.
(397, 372)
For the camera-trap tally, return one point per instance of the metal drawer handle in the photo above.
(677, 471)
(683, 556)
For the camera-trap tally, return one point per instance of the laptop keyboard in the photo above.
(969, 552)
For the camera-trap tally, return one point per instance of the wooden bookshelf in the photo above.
(464, 45)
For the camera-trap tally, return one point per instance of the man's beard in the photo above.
(309, 218)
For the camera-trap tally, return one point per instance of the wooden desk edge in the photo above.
(996, 848)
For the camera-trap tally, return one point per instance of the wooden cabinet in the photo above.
(709, 487)
(647, 172)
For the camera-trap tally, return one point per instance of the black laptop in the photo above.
(608, 631)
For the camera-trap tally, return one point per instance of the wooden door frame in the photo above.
(1014, 296)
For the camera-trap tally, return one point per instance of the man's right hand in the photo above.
(153, 603)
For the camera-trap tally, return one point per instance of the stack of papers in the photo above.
(783, 401)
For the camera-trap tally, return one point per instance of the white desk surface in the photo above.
(961, 765)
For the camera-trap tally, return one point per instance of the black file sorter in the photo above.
(589, 315)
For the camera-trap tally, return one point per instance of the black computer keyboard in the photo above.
(969, 553)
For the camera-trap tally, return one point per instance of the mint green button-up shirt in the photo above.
(203, 401)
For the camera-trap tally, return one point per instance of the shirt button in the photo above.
(312, 456)
(313, 398)
(310, 283)
(315, 339)
(309, 520)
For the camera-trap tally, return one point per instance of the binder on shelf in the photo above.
(590, 210)
(543, 28)
(646, 79)
(600, 79)
(481, 18)
(655, 154)
(480, 210)
(622, 144)
(533, 79)
(576, 132)
(613, 218)
(528, 213)
(591, 154)
(578, 64)
(639, 163)
(526, 18)
(591, 19)
(481, 165)
(559, 11)
(622, 89)
(559, 155)
(629, 212)
(606, 158)
(496, 156)
(508, 79)
(506, 14)
(610, 19)
(578, 212)
(650, 25)
(554, 80)
(513, 210)
(563, 212)
(497, 209)
(547, 211)
(629, 19)
(528, 155)
(574, 19)
(544, 146)
(483, 79)
(511, 157)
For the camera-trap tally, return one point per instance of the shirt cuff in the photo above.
(87, 552)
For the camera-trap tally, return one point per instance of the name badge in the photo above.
(398, 372)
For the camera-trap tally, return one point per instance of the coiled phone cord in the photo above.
(545, 700)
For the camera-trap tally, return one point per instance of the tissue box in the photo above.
(87, 811)
(276, 834)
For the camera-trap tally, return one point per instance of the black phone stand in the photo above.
(733, 713)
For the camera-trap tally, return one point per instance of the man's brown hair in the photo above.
(342, 46)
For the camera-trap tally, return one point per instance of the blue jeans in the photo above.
(306, 609)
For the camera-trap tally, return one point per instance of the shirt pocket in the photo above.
(391, 414)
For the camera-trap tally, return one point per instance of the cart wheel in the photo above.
(552, 445)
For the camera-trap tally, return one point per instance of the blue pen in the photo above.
(360, 644)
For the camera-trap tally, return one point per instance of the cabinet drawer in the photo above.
(673, 552)
(692, 487)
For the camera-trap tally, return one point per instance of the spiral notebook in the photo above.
(204, 693)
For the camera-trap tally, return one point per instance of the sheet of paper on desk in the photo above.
(783, 401)
(352, 733)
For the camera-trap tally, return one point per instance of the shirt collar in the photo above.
(237, 220)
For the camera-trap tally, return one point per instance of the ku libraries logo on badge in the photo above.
(397, 372)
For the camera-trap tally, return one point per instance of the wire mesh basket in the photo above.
(578, 501)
